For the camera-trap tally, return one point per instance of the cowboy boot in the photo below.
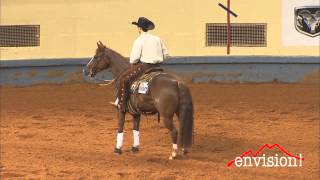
(115, 103)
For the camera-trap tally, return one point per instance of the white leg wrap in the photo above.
(136, 138)
(174, 151)
(174, 146)
(119, 140)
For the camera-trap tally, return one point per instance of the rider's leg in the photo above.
(123, 79)
(126, 81)
(124, 94)
(131, 74)
(119, 86)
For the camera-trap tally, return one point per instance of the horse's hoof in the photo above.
(135, 149)
(185, 151)
(172, 157)
(117, 151)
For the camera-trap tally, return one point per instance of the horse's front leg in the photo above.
(136, 133)
(121, 119)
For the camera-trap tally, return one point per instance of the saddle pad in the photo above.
(141, 85)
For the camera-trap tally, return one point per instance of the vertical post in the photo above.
(228, 29)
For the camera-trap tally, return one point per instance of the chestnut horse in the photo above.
(168, 96)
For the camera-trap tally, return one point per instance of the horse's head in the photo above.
(99, 61)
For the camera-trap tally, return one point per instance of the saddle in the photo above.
(142, 86)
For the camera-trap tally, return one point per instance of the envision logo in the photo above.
(267, 161)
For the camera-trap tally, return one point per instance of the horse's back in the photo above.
(164, 92)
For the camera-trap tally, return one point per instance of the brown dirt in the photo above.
(68, 132)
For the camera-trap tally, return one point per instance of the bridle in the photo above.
(94, 60)
(94, 69)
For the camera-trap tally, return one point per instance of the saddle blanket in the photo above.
(141, 85)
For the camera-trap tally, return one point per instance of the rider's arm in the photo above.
(136, 51)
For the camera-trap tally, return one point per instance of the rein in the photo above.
(109, 82)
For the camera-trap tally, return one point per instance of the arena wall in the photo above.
(242, 69)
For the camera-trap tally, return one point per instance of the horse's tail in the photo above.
(185, 116)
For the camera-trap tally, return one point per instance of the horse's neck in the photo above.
(118, 65)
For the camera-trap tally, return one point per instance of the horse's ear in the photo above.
(100, 44)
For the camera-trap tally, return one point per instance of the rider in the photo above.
(148, 51)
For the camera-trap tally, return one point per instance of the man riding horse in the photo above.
(167, 94)
(147, 52)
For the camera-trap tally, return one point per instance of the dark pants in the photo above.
(127, 78)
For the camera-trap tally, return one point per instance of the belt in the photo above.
(148, 63)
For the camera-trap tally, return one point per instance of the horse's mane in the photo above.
(122, 61)
(113, 52)
(119, 62)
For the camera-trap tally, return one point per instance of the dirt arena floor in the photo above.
(68, 132)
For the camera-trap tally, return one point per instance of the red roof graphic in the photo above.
(250, 152)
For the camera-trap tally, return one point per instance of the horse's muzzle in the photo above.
(85, 71)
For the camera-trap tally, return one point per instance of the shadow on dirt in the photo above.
(217, 148)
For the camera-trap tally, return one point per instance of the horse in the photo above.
(168, 96)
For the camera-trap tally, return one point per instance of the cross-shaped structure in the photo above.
(228, 23)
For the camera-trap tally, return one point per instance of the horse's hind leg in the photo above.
(184, 150)
(168, 122)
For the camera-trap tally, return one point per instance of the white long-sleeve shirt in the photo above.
(148, 48)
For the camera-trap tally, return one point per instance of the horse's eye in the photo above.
(95, 56)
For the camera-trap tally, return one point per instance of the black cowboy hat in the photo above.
(144, 23)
